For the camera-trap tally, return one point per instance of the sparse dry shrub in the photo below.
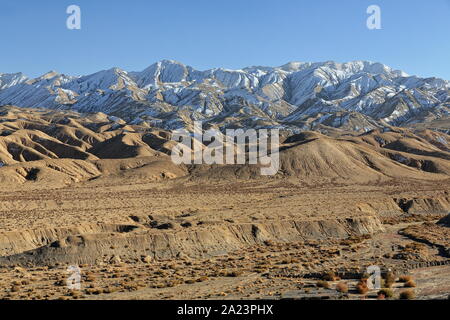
(260, 269)
(408, 294)
(386, 292)
(76, 294)
(89, 290)
(178, 281)
(389, 277)
(322, 284)
(361, 287)
(346, 242)
(15, 288)
(388, 280)
(159, 285)
(386, 283)
(342, 287)
(109, 290)
(404, 278)
(410, 284)
(95, 291)
(414, 247)
(131, 287)
(202, 279)
(90, 277)
(329, 276)
(234, 273)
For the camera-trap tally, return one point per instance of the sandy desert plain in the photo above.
(104, 196)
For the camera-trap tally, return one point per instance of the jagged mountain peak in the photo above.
(48, 75)
(11, 79)
(160, 72)
(294, 66)
(296, 95)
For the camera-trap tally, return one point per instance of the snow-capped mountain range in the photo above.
(358, 95)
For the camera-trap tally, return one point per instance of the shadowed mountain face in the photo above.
(356, 96)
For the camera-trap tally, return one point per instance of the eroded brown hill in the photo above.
(62, 147)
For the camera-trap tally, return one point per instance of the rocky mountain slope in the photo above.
(356, 96)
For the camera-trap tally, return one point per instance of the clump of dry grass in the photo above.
(109, 290)
(361, 287)
(260, 269)
(404, 278)
(342, 287)
(60, 283)
(190, 281)
(322, 284)
(234, 273)
(76, 294)
(15, 288)
(289, 260)
(386, 293)
(90, 277)
(410, 284)
(414, 247)
(269, 243)
(202, 279)
(408, 294)
(95, 291)
(329, 276)
(25, 282)
(389, 280)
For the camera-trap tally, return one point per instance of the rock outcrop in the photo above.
(93, 246)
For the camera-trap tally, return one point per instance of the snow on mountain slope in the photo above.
(357, 95)
(9, 80)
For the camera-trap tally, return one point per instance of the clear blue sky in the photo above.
(227, 33)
